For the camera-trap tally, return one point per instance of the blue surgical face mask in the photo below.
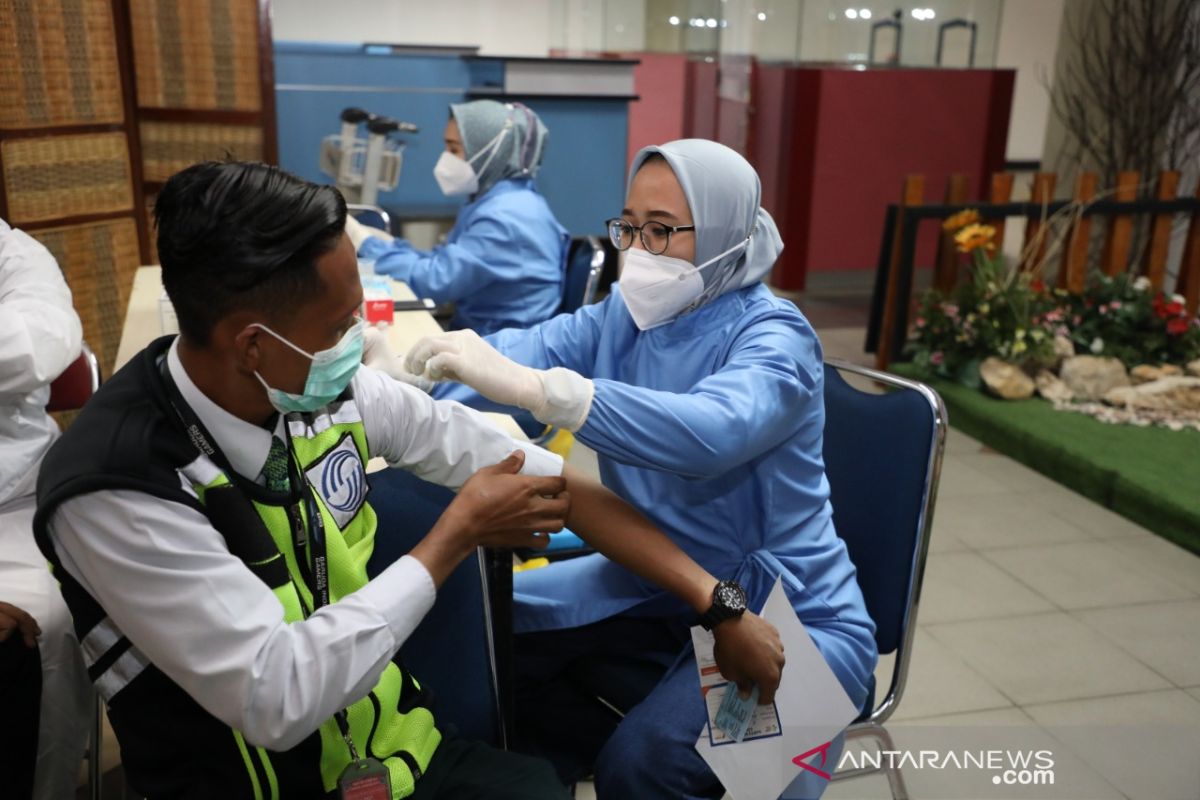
(328, 376)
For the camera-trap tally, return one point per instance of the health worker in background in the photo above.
(502, 265)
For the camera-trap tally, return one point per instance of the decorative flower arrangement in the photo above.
(996, 312)
(1010, 314)
(1121, 317)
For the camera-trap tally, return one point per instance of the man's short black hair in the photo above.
(234, 236)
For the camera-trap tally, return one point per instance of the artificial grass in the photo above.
(1148, 475)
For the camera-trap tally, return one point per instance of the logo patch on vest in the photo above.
(340, 480)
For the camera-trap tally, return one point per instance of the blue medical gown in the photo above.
(712, 426)
(502, 264)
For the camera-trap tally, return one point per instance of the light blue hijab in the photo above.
(723, 193)
(519, 153)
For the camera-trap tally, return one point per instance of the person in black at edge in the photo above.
(20, 690)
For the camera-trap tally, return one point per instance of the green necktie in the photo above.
(275, 471)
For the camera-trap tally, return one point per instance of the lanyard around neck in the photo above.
(306, 533)
(309, 534)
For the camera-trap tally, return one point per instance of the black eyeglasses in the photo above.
(655, 236)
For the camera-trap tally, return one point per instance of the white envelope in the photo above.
(812, 709)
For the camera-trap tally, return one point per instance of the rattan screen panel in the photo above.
(197, 54)
(99, 261)
(58, 64)
(168, 147)
(53, 177)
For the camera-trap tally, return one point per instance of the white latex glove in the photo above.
(558, 396)
(377, 354)
(359, 233)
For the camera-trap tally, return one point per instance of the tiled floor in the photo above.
(1046, 622)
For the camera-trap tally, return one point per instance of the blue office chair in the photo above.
(883, 457)
(456, 650)
(585, 261)
(372, 216)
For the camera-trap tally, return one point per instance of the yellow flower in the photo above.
(960, 220)
(984, 308)
(1018, 347)
(975, 236)
(1020, 333)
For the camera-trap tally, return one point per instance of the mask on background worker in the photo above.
(456, 176)
(503, 262)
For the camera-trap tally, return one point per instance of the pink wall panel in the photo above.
(660, 115)
(784, 154)
(701, 100)
(875, 127)
(772, 133)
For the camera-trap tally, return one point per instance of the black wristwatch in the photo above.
(729, 602)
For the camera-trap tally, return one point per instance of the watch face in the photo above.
(731, 596)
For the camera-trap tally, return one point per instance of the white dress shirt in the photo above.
(39, 338)
(169, 583)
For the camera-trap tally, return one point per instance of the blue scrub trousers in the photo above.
(642, 666)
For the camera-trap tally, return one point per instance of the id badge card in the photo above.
(365, 779)
(735, 714)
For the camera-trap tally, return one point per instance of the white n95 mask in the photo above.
(656, 289)
(456, 176)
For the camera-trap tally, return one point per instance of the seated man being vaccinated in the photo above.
(208, 518)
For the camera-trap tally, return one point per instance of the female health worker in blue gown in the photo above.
(503, 263)
(701, 393)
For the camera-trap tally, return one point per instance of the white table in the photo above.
(142, 326)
